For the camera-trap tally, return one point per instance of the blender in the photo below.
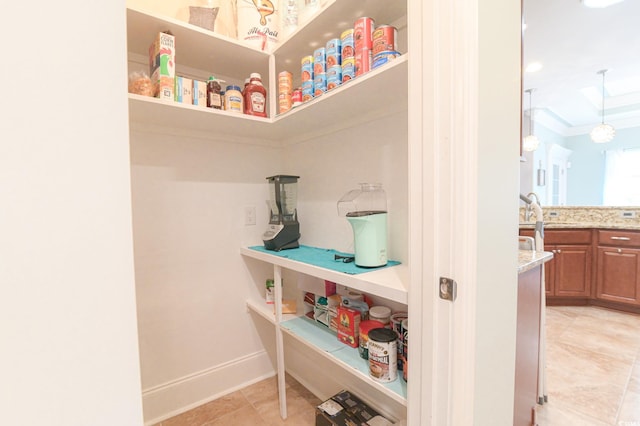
(366, 211)
(283, 231)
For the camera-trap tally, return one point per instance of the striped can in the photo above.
(363, 33)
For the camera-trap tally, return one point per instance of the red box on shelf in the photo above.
(348, 323)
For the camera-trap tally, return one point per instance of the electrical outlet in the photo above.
(626, 214)
(249, 215)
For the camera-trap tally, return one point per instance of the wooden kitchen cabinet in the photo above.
(618, 267)
(568, 274)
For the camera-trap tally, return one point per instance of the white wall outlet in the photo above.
(626, 214)
(249, 215)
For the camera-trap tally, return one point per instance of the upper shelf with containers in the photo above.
(200, 52)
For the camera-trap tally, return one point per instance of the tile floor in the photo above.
(593, 379)
(593, 368)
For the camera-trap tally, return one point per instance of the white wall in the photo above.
(67, 311)
(498, 186)
(197, 340)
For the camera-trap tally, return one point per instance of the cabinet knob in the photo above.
(559, 251)
(619, 250)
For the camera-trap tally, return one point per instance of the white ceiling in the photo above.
(573, 43)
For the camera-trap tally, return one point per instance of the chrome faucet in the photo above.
(528, 210)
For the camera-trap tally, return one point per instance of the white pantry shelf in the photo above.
(322, 341)
(389, 283)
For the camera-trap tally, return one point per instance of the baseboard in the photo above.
(183, 394)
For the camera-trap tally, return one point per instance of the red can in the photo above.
(296, 97)
(363, 33)
(363, 61)
(384, 39)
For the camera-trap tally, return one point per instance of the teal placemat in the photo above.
(323, 258)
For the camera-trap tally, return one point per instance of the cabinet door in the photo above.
(619, 275)
(572, 270)
(549, 272)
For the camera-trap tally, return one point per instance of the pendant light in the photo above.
(530, 143)
(602, 133)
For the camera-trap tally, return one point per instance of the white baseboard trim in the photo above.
(183, 394)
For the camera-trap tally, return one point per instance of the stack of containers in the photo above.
(285, 91)
(319, 71)
(348, 55)
(363, 39)
(307, 78)
(334, 68)
(384, 45)
(356, 52)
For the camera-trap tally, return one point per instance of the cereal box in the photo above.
(348, 324)
(162, 66)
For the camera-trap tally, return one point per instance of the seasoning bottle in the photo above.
(214, 98)
(244, 90)
(255, 96)
(233, 99)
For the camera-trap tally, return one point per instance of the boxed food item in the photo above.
(200, 93)
(162, 66)
(346, 409)
(184, 90)
(348, 324)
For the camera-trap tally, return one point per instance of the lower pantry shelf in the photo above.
(324, 342)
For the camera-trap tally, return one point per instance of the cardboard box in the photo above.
(348, 323)
(184, 90)
(162, 66)
(200, 93)
(346, 409)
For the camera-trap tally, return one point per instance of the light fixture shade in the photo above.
(602, 133)
(530, 143)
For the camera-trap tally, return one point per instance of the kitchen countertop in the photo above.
(529, 259)
(582, 225)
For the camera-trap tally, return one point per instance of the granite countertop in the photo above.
(594, 217)
(582, 225)
(529, 259)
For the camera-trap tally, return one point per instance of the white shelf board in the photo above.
(362, 100)
(196, 47)
(266, 311)
(389, 283)
(324, 342)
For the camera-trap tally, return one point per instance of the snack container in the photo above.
(162, 66)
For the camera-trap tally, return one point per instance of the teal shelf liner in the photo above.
(322, 338)
(323, 258)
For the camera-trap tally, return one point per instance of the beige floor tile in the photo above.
(245, 416)
(554, 414)
(630, 410)
(214, 409)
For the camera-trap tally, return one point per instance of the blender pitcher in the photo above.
(283, 231)
(366, 211)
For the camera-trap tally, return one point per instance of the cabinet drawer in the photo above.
(567, 236)
(618, 238)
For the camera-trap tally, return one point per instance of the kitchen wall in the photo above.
(67, 312)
